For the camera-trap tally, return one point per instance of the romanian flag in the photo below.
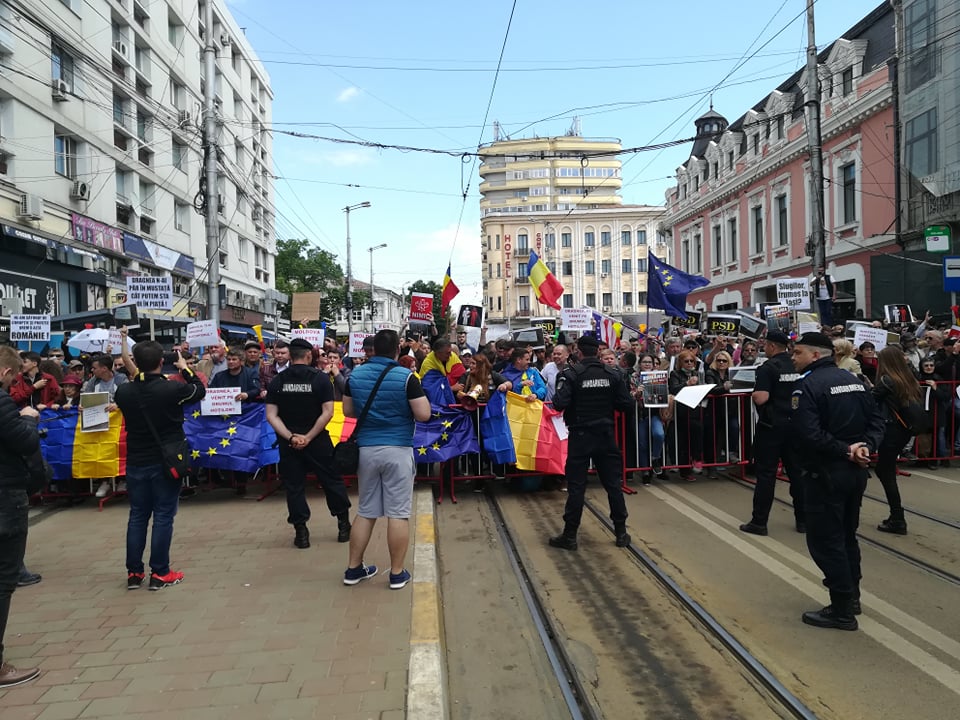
(243, 443)
(539, 435)
(450, 291)
(73, 453)
(545, 283)
(447, 434)
(340, 426)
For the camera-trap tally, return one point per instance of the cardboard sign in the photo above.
(150, 293)
(807, 322)
(778, 318)
(126, 315)
(94, 417)
(865, 333)
(421, 308)
(576, 319)
(314, 336)
(220, 401)
(306, 306)
(721, 324)
(30, 327)
(356, 344)
(692, 320)
(655, 391)
(750, 326)
(794, 293)
(470, 316)
(202, 333)
(897, 313)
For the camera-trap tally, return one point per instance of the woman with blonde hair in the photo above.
(895, 391)
(722, 421)
(843, 356)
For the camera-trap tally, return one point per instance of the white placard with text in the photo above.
(30, 327)
(577, 319)
(202, 333)
(220, 401)
(356, 343)
(314, 336)
(148, 292)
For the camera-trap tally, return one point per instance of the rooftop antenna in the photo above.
(574, 130)
(496, 131)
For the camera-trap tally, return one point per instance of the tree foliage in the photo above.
(303, 267)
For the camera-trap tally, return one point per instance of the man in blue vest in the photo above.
(386, 470)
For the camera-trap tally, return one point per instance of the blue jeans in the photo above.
(13, 541)
(650, 437)
(150, 492)
(826, 311)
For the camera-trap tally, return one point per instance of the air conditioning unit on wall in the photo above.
(80, 190)
(60, 90)
(31, 207)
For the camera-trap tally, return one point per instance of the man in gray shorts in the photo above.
(386, 471)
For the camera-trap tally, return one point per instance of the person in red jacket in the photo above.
(34, 388)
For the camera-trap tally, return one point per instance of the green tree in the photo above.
(435, 289)
(303, 267)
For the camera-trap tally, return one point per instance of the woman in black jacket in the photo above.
(895, 389)
(722, 422)
(689, 424)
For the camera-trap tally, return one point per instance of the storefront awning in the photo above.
(238, 330)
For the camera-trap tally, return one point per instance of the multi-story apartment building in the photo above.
(388, 310)
(101, 155)
(560, 198)
(740, 213)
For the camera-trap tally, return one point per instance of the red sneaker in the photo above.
(161, 581)
(134, 580)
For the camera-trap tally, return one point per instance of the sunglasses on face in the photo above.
(722, 361)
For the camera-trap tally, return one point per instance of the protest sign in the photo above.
(94, 416)
(201, 333)
(314, 336)
(898, 313)
(692, 320)
(115, 342)
(125, 315)
(576, 319)
(722, 324)
(306, 306)
(470, 316)
(655, 391)
(743, 379)
(548, 325)
(150, 293)
(421, 308)
(356, 344)
(865, 333)
(807, 322)
(778, 318)
(692, 395)
(750, 326)
(30, 327)
(794, 293)
(220, 401)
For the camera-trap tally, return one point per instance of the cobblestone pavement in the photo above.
(257, 629)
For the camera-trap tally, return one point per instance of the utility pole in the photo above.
(212, 201)
(347, 210)
(817, 245)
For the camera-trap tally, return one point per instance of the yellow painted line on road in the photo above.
(922, 660)
(426, 690)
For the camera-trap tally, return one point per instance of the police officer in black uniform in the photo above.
(299, 406)
(772, 442)
(588, 393)
(836, 426)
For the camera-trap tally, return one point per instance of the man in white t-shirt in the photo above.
(825, 293)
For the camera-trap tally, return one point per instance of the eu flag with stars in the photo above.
(243, 442)
(445, 435)
(667, 287)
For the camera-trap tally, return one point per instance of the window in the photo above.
(181, 217)
(591, 299)
(178, 95)
(174, 30)
(732, 239)
(604, 238)
(780, 128)
(607, 299)
(589, 267)
(605, 266)
(146, 225)
(730, 159)
(627, 299)
(498, 242)
(523, 246)
(235, 61)
(848, 173)
(626, 237)
(523, 271)
(782, 221)
(641, 237)
(922, 49)
(65, 156)
(566, 267)
(62, 64)
(685, 254)
(698, 253)
(757, 213)
(641, 265)
(498, 270)
(642, 297)
(179, 156)
(921, 144)
(717, 245)
(756, 144)
(523, 303)
(626, 266)
(550, 241)
(846, 80)
(566, 240)
(567, 300)
(588, 239)
(552, 267)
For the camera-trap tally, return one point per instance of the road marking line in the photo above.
(944, 480)
(426, 691)
(938, 670)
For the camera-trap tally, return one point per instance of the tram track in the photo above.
(579, 690)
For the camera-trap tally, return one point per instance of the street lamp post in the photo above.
(347, 209)
(370, 250)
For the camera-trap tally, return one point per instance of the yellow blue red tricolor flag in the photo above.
(450, 291)
(545, 283)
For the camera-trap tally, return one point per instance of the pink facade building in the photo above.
(741, 211)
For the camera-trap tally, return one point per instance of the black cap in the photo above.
(780, 338)
(815, 339)
(588, 341)
(301, 344)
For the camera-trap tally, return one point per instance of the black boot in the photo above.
(343, 527)
(623, 537)
(895, 524)
(838, 615)
(857, 610)
(301, 538)
(565, 541)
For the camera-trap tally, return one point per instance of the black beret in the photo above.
(301, 344)
(815, 339)
(780, 338)
(588, 341)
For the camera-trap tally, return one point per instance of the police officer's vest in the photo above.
(593, 396)
(777, 410)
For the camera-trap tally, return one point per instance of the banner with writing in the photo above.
(721, 324)
(220, 401)
(30, 327)
(794, 293)
(201, 333)
(576, 319)
(150, 293)
(421, 308)
(356, 343)
(314, 336)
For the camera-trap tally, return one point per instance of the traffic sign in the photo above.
(937, 238)
(951, 274)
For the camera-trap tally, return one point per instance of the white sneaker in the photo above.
(104, 489)
(121, 486)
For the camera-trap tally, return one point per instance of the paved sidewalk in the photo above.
(258, 629)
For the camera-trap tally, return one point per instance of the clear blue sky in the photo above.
(421, 73)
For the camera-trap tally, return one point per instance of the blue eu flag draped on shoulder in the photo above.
(667, 287)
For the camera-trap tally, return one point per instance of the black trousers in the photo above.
(599, 445)
(317, 457)
(770, 446)
(833, 500)
(894, 438)
(13, 542)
